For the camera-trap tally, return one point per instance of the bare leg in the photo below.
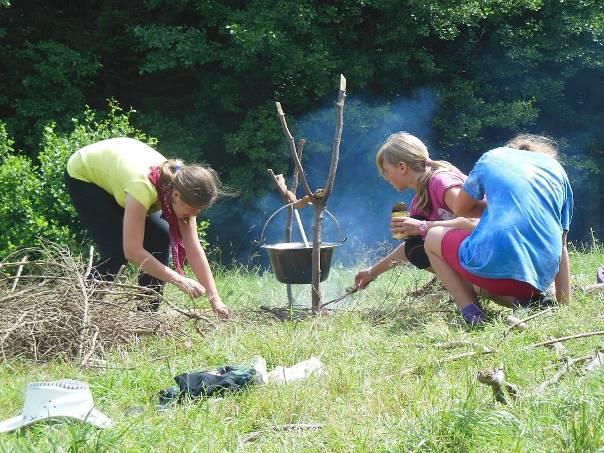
(462, 291)
(505, 301)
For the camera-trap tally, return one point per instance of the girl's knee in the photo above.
(433, 239)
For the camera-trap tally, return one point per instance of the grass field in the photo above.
(387, 387)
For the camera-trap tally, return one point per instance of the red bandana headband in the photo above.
(167, 213)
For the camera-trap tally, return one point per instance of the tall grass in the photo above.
(366, 401)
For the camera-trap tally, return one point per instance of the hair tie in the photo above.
(429, 162)
(176, 168)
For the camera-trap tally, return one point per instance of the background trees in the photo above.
(203, 74)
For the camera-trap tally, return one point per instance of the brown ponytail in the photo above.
(199, 185)
(534, 143)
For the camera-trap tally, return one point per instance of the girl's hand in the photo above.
(363, 278)
(221, 309)
(405, 225)
(190, 287)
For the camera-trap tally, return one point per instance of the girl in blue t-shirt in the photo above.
(518, 247)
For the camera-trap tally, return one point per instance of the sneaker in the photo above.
(539, 302)
(473, 315)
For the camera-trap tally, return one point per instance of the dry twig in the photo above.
(525, 320)
(567, 366)
(289, 427)
(19, 270)
(570, 337)
(594, 288)
(59, 313)
(452, 358)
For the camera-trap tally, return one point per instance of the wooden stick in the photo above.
(106, 366)
(290, 198)
(454, 344)
(561, 351)
(292, 146)
(496, 380)
(289, 427)
(300, 152)
(288, 195)
(89, 266)
(316, 296)
(301, 228)
(19, 270)
(348, 292)
(571, 337)
(514, 322)
(564, 369)
(89, 354)
(120, 271)
(449, 359)
(525, 320)
(593, 288)
(190, 314)
(335, 153)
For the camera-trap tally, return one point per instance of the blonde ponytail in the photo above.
(404, 147)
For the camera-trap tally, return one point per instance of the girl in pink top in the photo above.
(404, 162)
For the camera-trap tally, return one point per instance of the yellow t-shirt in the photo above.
(120, 166)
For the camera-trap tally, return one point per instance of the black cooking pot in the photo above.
(292, 261)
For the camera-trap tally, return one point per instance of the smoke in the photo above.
(361, 199)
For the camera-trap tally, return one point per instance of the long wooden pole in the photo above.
(318, 198)
(337, 139)
(320, 202)
(317, 297)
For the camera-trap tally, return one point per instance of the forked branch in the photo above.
(335, 152)
(292, 147)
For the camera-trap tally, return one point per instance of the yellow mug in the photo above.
(399, 210)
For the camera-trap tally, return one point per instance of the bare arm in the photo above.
(366, 276)
(394, 258)
(466, 206)
(198, 261)
(411, 226)
(134, 234)
(562, 280)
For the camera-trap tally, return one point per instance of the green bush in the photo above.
(35, 205)
(21, 219)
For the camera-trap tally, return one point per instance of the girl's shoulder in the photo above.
(447, 177)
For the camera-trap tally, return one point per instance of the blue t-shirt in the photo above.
(529, 204)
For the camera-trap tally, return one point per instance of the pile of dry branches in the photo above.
(52, 307)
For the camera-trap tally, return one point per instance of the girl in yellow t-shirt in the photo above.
(138, 207)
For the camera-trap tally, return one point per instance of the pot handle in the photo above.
(272, 216)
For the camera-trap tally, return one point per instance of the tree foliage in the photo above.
(204, 73)
(35, 205)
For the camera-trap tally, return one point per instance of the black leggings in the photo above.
(416, 253)
(100, 214)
